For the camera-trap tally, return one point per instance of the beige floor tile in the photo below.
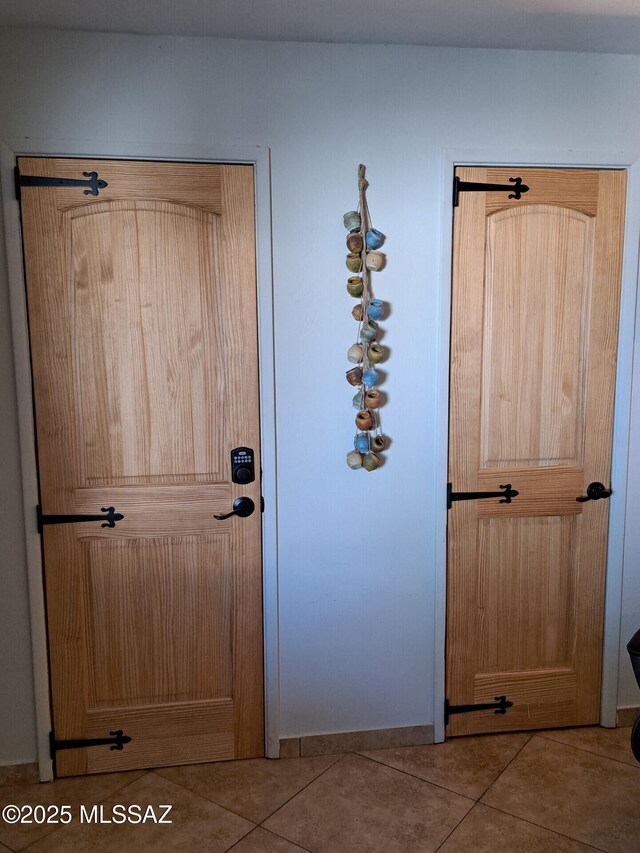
(361, 806)
(612, 743)
(576, 793)
(486, 830)
(262, 841)
(72, 791)
(466, 765)
(198, 825)
(253, 788)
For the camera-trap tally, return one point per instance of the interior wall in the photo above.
(356, 550)
(17, 714)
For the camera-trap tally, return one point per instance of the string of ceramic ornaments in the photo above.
(362, 242)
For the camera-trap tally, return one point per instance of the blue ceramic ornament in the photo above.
(361, 442)
(374, 239)
(369, 378)
(375, 309)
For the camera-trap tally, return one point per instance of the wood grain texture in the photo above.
(154, 511)
(143, 322)
(139, 598)
(526, 592)
(534, 336)
(196, 732)
(196, 185)
(147, 345)
(574, 189)
(541, 491)
(534, 330)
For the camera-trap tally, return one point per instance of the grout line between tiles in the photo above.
(204, 797)
(546, 828)
(237, 814)
(507, 765)
(462, 819)
(242, 837)
(584, 749)
(276, 834)
(304, 788)
(440, 785)
(413, 776)
(59, 828)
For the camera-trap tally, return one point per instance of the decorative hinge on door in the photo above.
(90, 180)
(506, 495)
(109, 519)
(516, 188)
(500, 705)
(116, 741)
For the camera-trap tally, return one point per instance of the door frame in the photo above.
(259, 158)
(630, 162)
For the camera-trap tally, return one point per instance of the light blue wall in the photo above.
(356, 551)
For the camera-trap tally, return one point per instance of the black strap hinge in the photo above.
(109, 519)
(499, 707)
(515, 188)
(116, 741)
(505, 495)
(91, 181)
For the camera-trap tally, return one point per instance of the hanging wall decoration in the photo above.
(363, 242)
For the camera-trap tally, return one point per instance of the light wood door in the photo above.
(533, 353)
(142, 315)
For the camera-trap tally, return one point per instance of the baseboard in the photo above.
(19, 774)
(628, 716)
(339, 742)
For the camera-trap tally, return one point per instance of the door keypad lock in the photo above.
(242, 467)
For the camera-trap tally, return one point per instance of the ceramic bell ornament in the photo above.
(372, 399)
(352, 220)
(375, 353)
(361, 442)
(356, 312)
(378, 443)
(375, 309)
(364, 420)
(374, 239)
(355, 353)
(354, 376)
(355, 243)
(374, 261)
(355, 286)
(370, 462)
(354, 460)
(368, 332)
(354, 262)
(370, 378)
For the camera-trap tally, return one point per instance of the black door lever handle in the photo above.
(243, 507)
(595, 492)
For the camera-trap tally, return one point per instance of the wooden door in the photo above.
(142, 315)
(533, 354)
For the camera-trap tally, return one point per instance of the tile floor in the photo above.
(563, 791)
